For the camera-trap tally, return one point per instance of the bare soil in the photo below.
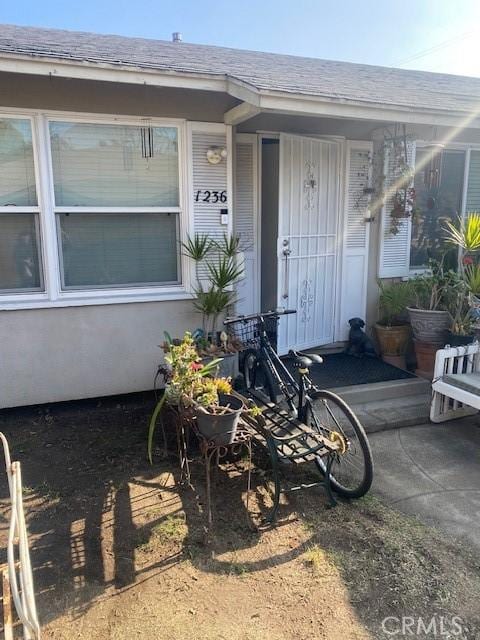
(119, 548)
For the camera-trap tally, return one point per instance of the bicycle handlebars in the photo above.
(259, 316)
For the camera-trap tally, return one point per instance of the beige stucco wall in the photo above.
(49, 355)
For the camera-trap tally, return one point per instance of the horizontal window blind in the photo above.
(19, 260)
(101, 250)
(20, 265)
(473, 190)
(114, 165)
(17, 173)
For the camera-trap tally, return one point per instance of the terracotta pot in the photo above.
(429, 326)
(393, 342)
(425, 353)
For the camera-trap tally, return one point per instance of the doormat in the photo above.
(342, 370)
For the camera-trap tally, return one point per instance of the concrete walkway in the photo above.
(432, 471)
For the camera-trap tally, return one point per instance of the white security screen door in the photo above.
(307, 240)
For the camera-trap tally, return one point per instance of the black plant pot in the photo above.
(456, 340)
(221, 429)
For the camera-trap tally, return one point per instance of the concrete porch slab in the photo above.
(377, 391)
(389, 405)
(432, 471)
(393, 413)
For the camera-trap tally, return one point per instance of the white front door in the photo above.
(308, 247)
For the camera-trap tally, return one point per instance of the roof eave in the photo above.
(262, 100)
(105, 72)
(332, 107)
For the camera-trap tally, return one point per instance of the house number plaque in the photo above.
(205, 195)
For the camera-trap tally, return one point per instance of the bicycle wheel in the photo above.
(352, 471)
(257, 375)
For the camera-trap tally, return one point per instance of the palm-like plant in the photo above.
(229, 245)
(395, 297)
(220, 258)
(211, 304)
(466, 236)
(197, 248)
(225, 273)
(466, 233)
(472, 278)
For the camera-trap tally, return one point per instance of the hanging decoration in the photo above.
(433, 166)
(402, 182)
(146, 138)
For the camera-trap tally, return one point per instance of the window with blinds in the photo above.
(434, 207)
(20, 265)
(116, 191)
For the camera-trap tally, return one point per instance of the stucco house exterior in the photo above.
(114, 149)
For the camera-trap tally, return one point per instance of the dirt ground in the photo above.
(119, 549)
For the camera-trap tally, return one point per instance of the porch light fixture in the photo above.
(433, 165)
(216, 154)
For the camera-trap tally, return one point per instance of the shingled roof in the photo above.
(264, 72)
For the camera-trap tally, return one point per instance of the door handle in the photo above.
(286, 251)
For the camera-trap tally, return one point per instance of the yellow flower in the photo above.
(223, 385)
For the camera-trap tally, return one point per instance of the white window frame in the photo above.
(467, 147)
(37, 210)
(49, 250)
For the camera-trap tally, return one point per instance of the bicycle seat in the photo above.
(304, 360)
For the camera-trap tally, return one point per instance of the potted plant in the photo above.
(462, 329)
(472, 278)
(429, 317)
(392, 330)
(465, 236)
(190, 387)
(218, 268)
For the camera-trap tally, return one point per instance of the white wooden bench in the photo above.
(456, 383)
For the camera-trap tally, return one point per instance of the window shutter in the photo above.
(473, 189)
(208, 178)
(356, 236)
(394, 255)
(245, 219)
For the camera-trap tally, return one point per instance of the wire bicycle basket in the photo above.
(247, 332)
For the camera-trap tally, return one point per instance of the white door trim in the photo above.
(342, 311)
(252, 138)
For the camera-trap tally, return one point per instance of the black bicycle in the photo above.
(267, 376)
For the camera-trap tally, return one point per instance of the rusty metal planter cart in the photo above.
(285, 439)
(291, 441)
